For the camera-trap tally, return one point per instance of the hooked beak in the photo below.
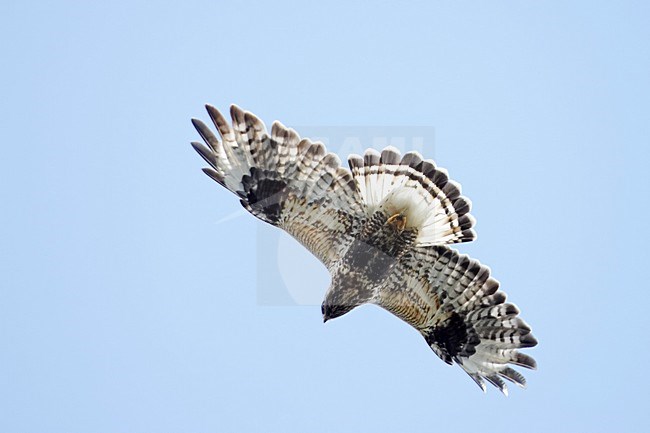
(324, 311)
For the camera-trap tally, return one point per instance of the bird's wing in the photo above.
(289, 182)
(455, 304)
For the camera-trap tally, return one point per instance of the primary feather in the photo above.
(383, 230)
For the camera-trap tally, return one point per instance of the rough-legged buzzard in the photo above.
(382, 229)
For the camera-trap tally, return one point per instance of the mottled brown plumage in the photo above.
(383, 230)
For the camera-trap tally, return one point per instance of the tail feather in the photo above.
(422, 192)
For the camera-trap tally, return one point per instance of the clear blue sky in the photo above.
(127, 305)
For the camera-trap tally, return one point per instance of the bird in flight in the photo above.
(383, 230)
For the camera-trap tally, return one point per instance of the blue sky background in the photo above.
(125, 306)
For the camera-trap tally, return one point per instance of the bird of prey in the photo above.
(383, 230)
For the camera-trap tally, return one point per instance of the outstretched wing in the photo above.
(291, 183)
(455, 304)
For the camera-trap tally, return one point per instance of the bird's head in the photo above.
(346, 292)
(332, 311)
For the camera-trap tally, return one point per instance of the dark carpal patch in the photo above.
(453, 337)
(264, 195)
